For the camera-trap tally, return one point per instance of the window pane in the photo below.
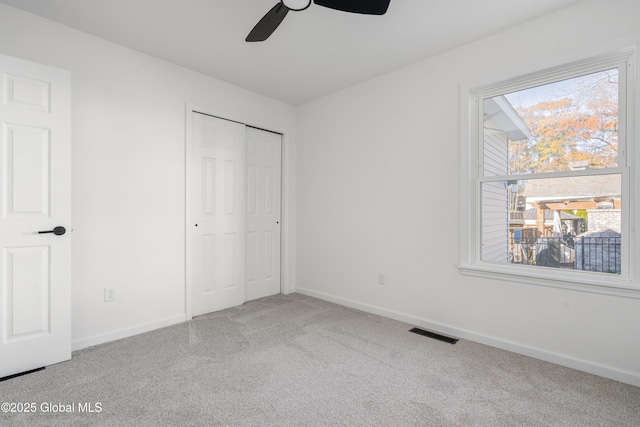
(572, 223)
(567, 125)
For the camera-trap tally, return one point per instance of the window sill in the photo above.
(598, 283)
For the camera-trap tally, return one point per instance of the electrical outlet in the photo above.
(381, 279)
(109, 294)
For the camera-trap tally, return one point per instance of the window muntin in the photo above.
(563, 139)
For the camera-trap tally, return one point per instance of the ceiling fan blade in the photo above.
(367, 7)
(268, 24)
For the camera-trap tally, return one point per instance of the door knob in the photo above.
(58, 231)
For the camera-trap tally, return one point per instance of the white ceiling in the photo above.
(313, 53)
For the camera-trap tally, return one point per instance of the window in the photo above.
(549, 177)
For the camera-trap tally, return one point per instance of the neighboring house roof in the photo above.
(574, 188)
(530, 215)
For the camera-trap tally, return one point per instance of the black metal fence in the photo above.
(589, 253)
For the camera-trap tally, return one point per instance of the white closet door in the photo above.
(263, 213)
(35, 195)
(218, 167)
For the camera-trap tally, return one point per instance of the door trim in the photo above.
(286, 210)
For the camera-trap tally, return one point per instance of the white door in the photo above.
(263, 213)
(218, 160)
(35, 195)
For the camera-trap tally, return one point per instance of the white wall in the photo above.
(128, 153)
(378, 191)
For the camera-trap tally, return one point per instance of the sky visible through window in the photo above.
(555, 91)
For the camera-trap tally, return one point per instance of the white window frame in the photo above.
(471, 172)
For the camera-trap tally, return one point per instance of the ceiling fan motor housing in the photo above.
(296, 5)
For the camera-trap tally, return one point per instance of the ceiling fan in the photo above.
(269, 22)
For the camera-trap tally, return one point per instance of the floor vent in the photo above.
(433, 335)
(20, 374)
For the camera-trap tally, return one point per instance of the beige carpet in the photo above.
(298, 361)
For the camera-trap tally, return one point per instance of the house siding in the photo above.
(495, 198)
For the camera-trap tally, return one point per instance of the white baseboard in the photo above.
(623, 376)
(126, 332)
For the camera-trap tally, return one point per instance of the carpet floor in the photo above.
(298, 361)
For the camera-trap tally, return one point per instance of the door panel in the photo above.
(218, 214)
(27, 170)
(35, 195)
(263, 213)
(27, 290)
